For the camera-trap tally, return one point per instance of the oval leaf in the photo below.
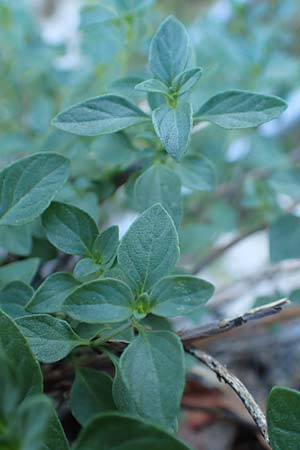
(28, 186)
(114, 431)
(150, 378)
(70, 229)
(173, 126)
(100, 115)
(149, 250)
(103, 301)
(159, 184)
(178, 295)
(14, 297)
(17, 351)
(169, 50)
(50, 339)
(240, 109)
(283, 417)
(91, 394)
(196, 172)
(50, 295)
(284, 238)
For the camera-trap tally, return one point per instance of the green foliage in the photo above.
(16, 350)
(283, 415)
(103, 301)
(159, 184)
(91, 395)
(169, 50)
(149, 250)
(100, 115)
(50, 339)
(149, 381)
(91, 292)
(284, 238)
(113, 430)
(240, 109)
(179, 295)
(50, 295)
(173, 126)
(70, 229)
(29, 185)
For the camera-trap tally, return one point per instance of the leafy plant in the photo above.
(121, 294)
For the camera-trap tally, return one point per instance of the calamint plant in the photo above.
(107, 324)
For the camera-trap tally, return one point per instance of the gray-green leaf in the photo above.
(179, 294)
(91, 394)
(100, 115)
(186, 80)
(50, 295)
(23, 270)
(284, 238)
(149, 250)
(283, 417)
(159, 184)
(50, 339)
(150, 378)
(70, 229)
(105, 246)
(13, 298)
(196, 172)
(240, 109)
(173, 126)
(152, 85)
(169, 50)
(28, 186)
(125, 433)
(16, 349)
(103, 301)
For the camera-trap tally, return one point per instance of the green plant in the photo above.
(118, 301)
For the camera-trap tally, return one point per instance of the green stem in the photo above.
(100, 341)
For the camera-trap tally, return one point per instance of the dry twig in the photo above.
(238, 387)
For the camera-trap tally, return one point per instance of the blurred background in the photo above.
(243, 234)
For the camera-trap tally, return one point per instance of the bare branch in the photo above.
(238, 387)
(222, 326)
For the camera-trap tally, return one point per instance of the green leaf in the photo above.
(173, 126)
(27, 429)
(284, 238)
(50, 295)
(86, 270)
(19, 271)
(16, 349)
(159, 184)
(186, 80)
(103, 301)
(91, 394)
(169, 50)
(28, 186)
(196, 172)
(150, 378)
(16, 240)
(178, 295)
(50, 339)
(105, 246)
(13, 298)
(152, 85)
(149, 250)
(286, 182)
(114, 431)
(70, 229)
(54, 437)
(283, 417)
(100, 115)
(240, 109)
